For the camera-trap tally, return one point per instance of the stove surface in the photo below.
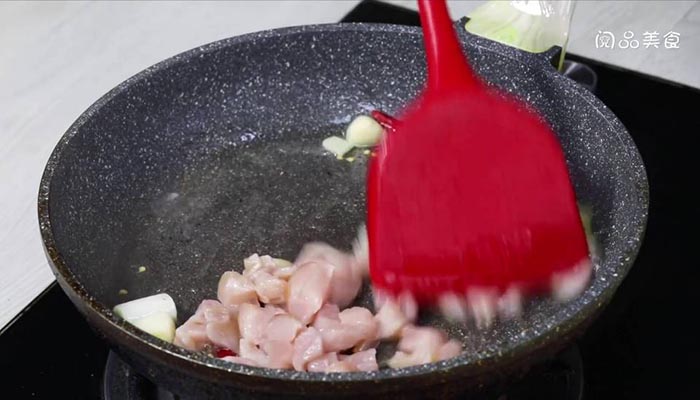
(639, 348)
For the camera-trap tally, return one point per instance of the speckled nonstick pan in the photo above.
(214, 154)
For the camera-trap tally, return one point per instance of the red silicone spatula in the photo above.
(470, 189)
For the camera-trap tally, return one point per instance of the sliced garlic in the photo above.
(337, 146)
(363, 131)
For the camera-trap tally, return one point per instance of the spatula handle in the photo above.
(447, 64)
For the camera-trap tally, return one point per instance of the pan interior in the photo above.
(217, 154)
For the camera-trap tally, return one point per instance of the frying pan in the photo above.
(214, 154)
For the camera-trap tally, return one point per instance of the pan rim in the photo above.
(466, 365)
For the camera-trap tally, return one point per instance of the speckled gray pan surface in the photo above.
(214, 154)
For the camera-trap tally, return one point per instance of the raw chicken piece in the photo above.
(221, 326)
(341, 331)
(253, 321)
(323, 363)
(347, 278)
(362, 361)
(360, 250)
(252, 264)
(307, 347)
(192, 335)
(568, 285)
(408, 306)
(269, 288)
(270, 354)
(361, 321)
(332, 362)
(240, 360)
(308, 288)
(453, 307)
(452, 348)
(510, 304)
(275, 266)
(283, 327)
(328, 316)
(235, 289)
(418, 345)
(250, 351)
(210, 324)
(482, 304)
(390, 320)
(406, 302)
(279, 353)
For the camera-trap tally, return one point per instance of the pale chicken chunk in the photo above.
(283, 327)
(322, 363)
(270, 354)
(418, 345)
(253, 321)
(249, 350)
(269, 288)
(334, 362)
(308, 346)
(309, 287)
(362, 361)
(452, 348)
(346, 280)
(343, 330)
(211, 324)
(221, 326)
(192, 335)
(279, 353)
(235, 289)
(569, 284)
(390, 319)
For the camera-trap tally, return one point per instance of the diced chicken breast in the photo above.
(211, 324)
(360, 320)
(269, 288)
(405, 301)
(221, 327)
(390, 319)
(452, 348)
(510, 304)
(279, 353)
(235, 289)
(418, 345)
(308, 346)
(360, 250)
(363, 360)
(309, 287)
(253, 321)
(569, 284)
(250, 351)
(346, 329)
(328, 316)
(346, 280)
(323, 363)
(453, 307)
(283, 327)
(482, 303)
(192, 335)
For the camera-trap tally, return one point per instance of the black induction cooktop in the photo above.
(641, 347)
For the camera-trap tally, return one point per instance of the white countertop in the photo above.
(56, 58)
